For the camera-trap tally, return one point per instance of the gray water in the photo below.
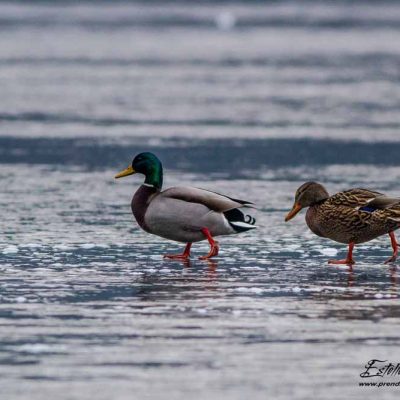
(250, 99)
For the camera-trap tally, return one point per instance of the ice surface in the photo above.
(229, 95)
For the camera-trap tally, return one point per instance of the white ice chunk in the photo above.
(87, 245)
(10, 249)
(328, 251)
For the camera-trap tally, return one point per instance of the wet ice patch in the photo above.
(57, 265)
(252, 268)
(37, 348)
(292, 247)
(21, 299)
(328, 251)
(62, 247)
(10, 250)
(254, 290)
(32, 245)
(87, 246)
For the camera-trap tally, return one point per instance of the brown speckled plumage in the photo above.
(346, 224)
(351, 217)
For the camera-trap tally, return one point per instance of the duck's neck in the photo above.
(154, 178)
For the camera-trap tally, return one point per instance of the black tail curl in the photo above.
(250, 220)
(238, 220)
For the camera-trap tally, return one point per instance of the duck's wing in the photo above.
(354, 198)
(364, 200)
(214, 201)
(179, 213)
(384, 202)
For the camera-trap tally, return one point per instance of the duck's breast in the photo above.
(314, 222)
(140, 203)
(326, 222)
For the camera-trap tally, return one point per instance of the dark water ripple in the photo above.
(238, 157)
(223, 15)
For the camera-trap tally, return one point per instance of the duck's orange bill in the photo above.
(296, 208)
(125, 172)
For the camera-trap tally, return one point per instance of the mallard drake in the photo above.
(351, 217)
(183, 214)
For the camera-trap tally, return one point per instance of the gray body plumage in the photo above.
(179, 213)
(341, 218)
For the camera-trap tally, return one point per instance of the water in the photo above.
(249, 99)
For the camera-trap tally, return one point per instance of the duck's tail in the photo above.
(238, 221)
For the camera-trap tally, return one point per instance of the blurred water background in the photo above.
(247, 98)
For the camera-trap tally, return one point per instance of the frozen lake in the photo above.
(250, 100)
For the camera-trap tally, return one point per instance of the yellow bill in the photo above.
(125, 172)
(296, 208)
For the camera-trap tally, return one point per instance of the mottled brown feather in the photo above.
(340, 218)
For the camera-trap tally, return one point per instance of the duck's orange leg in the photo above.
(349, 259)
(184, 256)
(214, 247)
(394, 247)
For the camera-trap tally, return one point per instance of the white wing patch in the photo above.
(241, 224)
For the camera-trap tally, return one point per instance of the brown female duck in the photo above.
(351, 217)
(183, 214)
